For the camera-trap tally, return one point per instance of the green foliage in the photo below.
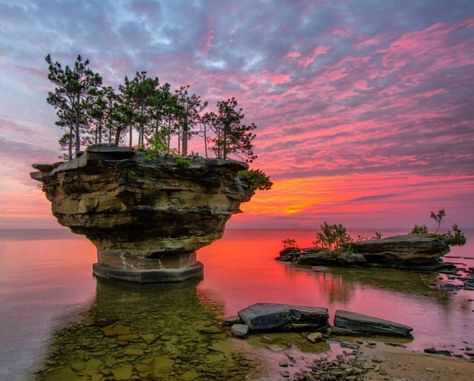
(94, 114)
(156, 148)
(289, 243)
(455, 237)
(72, 96)
(256, 179)
(183, 162)
(333, 237)
(232, 136)
(419, 229)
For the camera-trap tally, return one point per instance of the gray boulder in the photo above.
(353, 323)
(284, 317)
(239, 330)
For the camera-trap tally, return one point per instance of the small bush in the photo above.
(156, 148)
(419, 229)
(256, 179)
(455, 237)
(183, 162)
(377, 235)
(333, 237)
(289, 243)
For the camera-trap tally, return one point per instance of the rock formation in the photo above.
(403, 251)
(146, 218)
(351, 323)
(284, 317)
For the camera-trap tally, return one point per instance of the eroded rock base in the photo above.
(161, 275)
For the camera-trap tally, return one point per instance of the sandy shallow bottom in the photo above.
(405, 365)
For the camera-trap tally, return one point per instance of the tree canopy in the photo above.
(161, 118)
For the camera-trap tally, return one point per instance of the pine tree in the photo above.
(74, 88)
(232, 136)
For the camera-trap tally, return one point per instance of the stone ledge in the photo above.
(149, 276)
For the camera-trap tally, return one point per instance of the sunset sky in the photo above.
(365, 109)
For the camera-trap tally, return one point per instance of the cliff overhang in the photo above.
(147, 218)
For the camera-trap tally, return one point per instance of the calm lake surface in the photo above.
(46, 287)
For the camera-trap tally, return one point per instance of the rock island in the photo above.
(146, 218)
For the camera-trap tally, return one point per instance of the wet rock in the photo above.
(130, 351)
(123, 372)
(284, 317)
(116, 329)
(231, 320)
(322, 257)
(368, 325)
(148, 337)
(62, 374)
(433, 350)
(239, 330)
(315, 337)
(319, 268)
(289, 254)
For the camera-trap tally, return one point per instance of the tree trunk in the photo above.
(179, 140)
(185, 140)
(117, 136)
(224, 147)
(169, 133)
(78, 135)
(205, 141)
(130, 138)
(70, 143)
(100, 134)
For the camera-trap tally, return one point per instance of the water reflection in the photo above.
(151, 332)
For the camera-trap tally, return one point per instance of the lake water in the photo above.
(49, 302)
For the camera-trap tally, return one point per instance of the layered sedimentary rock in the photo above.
(146, 217)
(351, 323)
(284, 317)
(404, 251)
(410, 249)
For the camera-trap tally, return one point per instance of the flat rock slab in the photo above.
(284, 317)
(354, 323)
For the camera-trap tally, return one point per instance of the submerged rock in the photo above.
(146, 218)
(284, 317)
(348, 323)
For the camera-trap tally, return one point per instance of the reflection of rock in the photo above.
(405, 251)
(165, 323)
(351, 323)
(146, 219)
(283, 317)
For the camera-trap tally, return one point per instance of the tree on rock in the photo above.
(232, 136)
(71, 97)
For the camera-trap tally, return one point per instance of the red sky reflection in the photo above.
(240, 270)
(364, 109)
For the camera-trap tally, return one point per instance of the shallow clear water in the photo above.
(50, 304)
